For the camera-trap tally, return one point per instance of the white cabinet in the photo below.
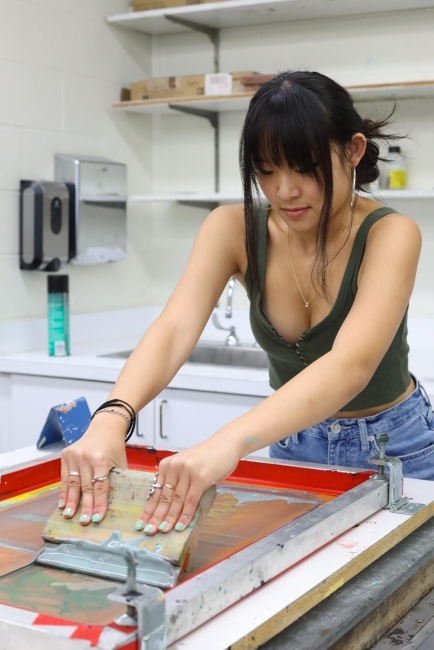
(177, 418)
(185, 417)
(30, 398)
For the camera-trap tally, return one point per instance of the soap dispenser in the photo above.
(46, 215)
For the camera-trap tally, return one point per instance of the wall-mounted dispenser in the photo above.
(100, 224)
(46, 212)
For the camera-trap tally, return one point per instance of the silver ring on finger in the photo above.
(152, 489)
(100, 479)
(74, 474)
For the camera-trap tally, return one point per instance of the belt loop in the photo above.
(363, 434)
(295, 438)
(424, 393)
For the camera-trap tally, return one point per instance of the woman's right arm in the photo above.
(217, 254)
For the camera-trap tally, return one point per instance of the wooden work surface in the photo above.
(277, 604)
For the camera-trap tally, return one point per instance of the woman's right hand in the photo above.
(100, 449)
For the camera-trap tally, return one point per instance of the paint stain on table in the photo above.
(62, 594)
(233, 524)
(22, 522)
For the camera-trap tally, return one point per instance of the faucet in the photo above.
(231, 287)
(232, 339)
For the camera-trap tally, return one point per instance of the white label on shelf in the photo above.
(218, 83)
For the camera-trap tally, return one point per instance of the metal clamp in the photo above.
(146, 607)
(397, 502)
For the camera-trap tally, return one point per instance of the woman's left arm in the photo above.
(385, 283)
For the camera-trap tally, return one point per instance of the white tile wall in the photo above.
(61, 68)
(49, 37)
(10, 30)
(8, 231)
(10, 157)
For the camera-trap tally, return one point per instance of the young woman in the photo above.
(329, 275)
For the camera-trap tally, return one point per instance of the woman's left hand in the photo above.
(184, 477)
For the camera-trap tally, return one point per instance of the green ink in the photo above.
(255, 441)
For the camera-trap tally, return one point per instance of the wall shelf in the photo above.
(240, 101)
(220, 103)
(401, 194)
(239, 13)
(218, 198)
(209, 18)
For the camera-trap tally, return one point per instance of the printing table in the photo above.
(282, 604)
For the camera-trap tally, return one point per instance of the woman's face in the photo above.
(298, 199)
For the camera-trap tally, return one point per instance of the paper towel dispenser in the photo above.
(100, 222)
(46, 214)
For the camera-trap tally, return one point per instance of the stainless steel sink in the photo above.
(216, 354)
(224, 355)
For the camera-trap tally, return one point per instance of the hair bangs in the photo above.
(285, 134)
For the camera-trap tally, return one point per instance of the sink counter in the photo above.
(87, 366)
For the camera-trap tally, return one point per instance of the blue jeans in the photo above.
(351, 441)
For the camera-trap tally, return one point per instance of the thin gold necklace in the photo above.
(307, 302)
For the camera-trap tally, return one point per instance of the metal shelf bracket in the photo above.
(212, 116)
(214, 120)
(212, 32)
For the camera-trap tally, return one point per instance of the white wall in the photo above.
(61, 68)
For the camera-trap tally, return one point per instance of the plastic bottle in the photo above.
(58, 315)
(396, 172)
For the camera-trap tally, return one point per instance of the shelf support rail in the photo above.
(212, 33)
(213, 117)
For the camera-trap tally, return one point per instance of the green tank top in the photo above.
(392, 376)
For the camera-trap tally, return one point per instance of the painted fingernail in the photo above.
(83, 518)
(179, 526)
(68, 512)
(148, 528)
(60, 504)
(163, 526)
(96, 518)
(139, 524)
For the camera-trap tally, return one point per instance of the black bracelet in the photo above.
(127, 407)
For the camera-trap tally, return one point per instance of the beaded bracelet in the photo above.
(131, 412)
(126, 418)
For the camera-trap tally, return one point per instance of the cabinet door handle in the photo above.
(162, 403)
(136, 428)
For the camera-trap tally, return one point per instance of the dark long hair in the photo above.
(294, 119)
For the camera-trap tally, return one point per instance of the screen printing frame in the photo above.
(358, 493)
